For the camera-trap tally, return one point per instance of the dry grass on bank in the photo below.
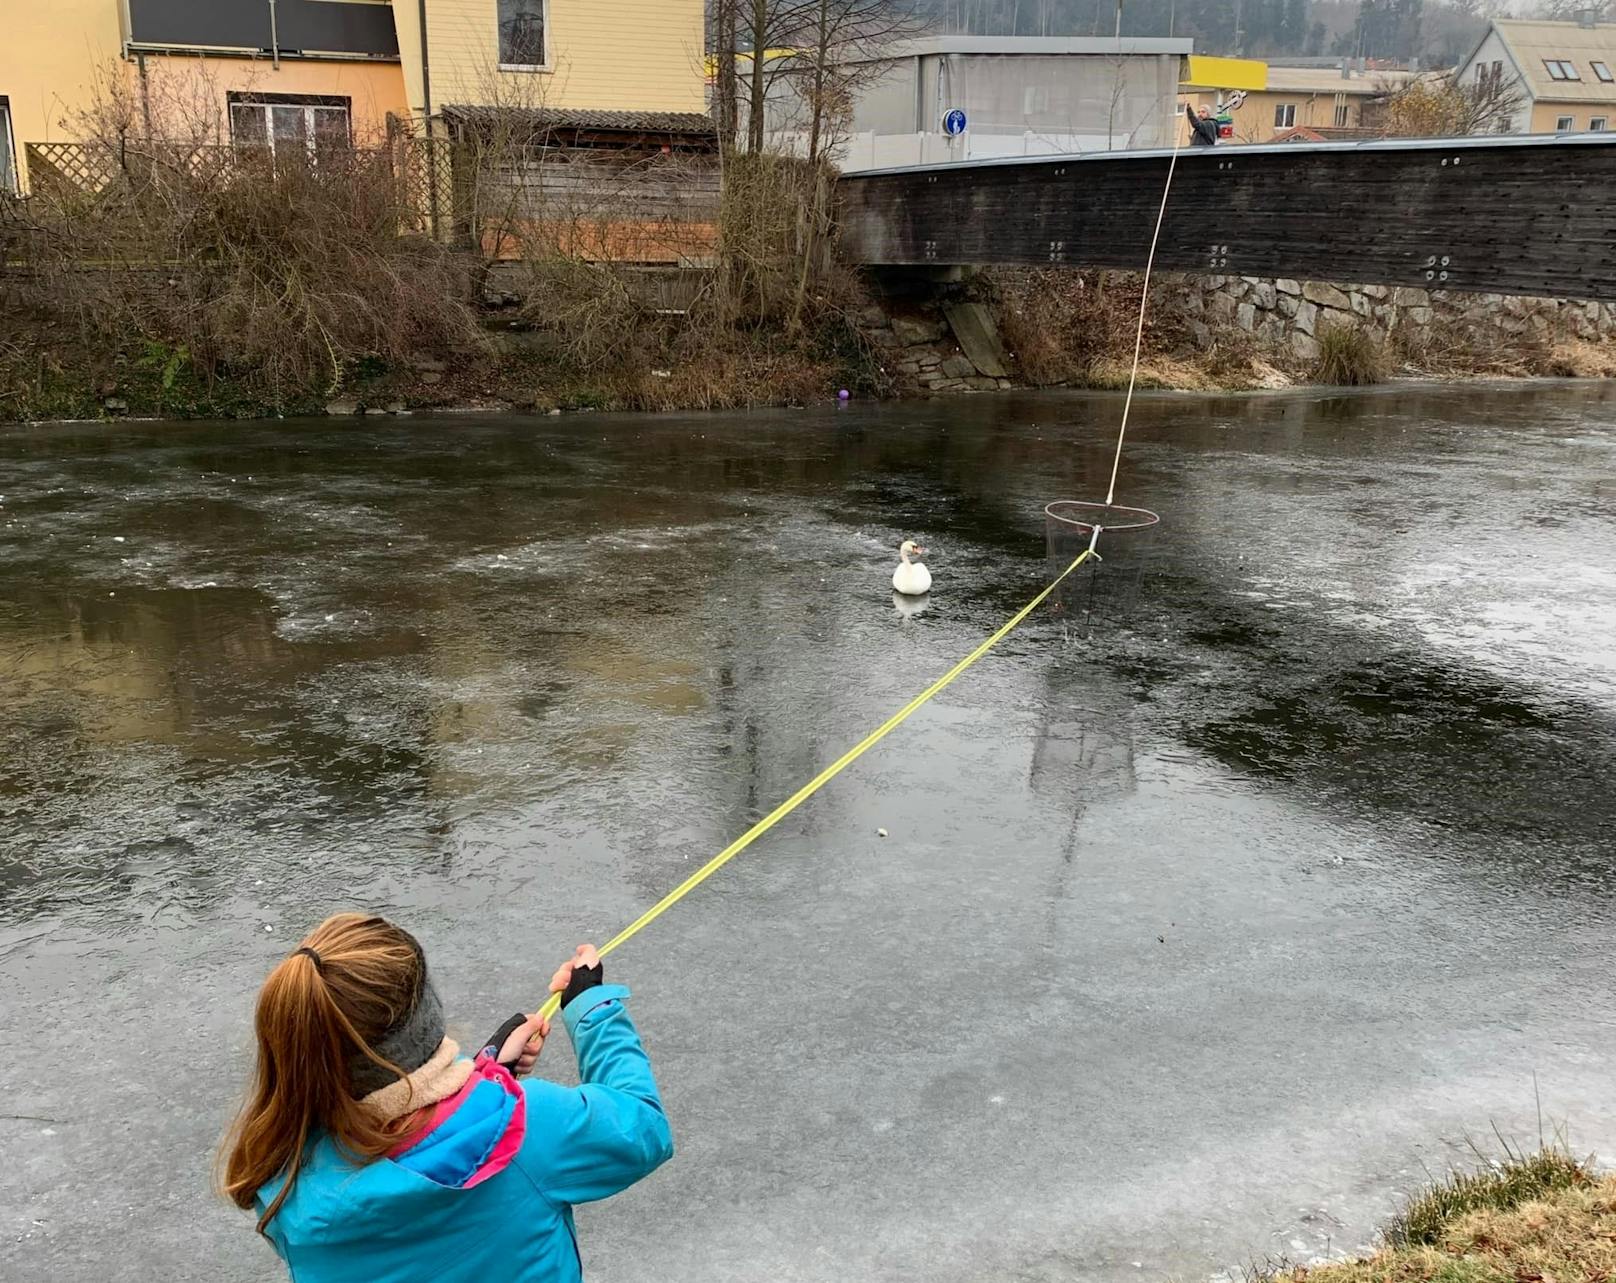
(1580, 359)
(1350, 356)
(1069, 327)
(1532, 1218)
(1077, 329)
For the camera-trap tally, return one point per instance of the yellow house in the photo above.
(307, 73)
(1559, 76)
(571, 55)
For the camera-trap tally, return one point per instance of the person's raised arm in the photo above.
(613, 1130)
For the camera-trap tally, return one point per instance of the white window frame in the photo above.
(1598, 124)
(1285, 115)
(1602, 72)
(1564, 124)
(1343, 115)
(10, 174)
(267, 103)
(549, 61)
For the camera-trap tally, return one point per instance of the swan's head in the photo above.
(910, 549)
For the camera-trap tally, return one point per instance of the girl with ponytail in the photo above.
(374, 1152)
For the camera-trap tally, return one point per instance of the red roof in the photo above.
(1327, 134)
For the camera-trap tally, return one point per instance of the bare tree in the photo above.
(844, 48)
(1567, 10)
(1443, 107)
(770, 25)
(726, 83)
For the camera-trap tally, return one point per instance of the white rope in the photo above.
(1139, 334)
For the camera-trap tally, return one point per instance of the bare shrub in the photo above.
(770, 236)
(1066, 327)
(277, 268)
(593, 311)
(1456, 346)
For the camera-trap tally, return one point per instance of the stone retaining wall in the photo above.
(1288, 314)
(918, 349)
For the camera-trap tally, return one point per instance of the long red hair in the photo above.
(313, 1018)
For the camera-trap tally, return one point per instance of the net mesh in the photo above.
(1102, 590)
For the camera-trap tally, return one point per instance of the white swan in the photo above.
(911, 578)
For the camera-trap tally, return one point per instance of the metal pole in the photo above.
(426, 69)
(145, 93)
(274, 38)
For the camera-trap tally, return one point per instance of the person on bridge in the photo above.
(1203, 129)
(373, 1152)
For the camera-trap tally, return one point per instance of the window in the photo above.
(1602, 70)
(8, 160)
(1560, 69)
(1564, 124)
(1598, 124)
(1284, 115)
(290, 124)
(521, 34)
(1341, 114)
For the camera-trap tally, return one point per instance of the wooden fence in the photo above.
(63, 172)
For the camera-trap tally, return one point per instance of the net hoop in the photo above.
(1085, 516)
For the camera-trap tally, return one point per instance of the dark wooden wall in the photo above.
(1516, 216)
(586, 183)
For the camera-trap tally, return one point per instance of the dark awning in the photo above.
(692, 126)
(311, 26)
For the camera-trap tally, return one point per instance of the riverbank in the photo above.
(1024, 329)
(1543, 1218)
(44, 381)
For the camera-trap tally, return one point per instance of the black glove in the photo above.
(582, 978)
(496, 1040)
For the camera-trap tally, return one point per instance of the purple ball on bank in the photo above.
(843, 395)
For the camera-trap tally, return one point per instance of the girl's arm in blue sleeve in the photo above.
(610, 1130)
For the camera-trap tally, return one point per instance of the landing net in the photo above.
(1107, 586)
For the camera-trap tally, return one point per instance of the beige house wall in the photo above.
(629, 55)
(1546, 115)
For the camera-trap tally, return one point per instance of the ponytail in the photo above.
(320, 1011)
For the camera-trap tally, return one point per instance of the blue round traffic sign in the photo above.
(954, 123)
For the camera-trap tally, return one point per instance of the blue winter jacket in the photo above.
(488, 1192)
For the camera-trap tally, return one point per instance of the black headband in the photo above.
(319, 963)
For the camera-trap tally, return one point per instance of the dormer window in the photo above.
(1560, 69)
(1602, 70)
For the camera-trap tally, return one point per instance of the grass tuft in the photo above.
(1499, 1186)
(1350, 356)
(1543, 1217)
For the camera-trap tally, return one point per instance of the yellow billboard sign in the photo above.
(1201, 72)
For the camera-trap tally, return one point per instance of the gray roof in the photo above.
(682, 123)
(1034, 46)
